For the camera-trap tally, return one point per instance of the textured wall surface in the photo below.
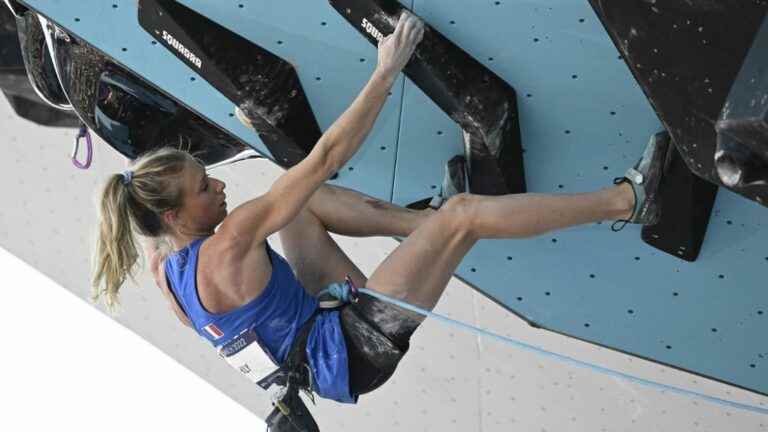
(450, 381)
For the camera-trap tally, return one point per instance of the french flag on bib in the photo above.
(214, 331)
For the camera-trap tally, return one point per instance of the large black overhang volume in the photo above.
(483, 104)
(264, 86)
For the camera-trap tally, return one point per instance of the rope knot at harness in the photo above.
(337, 294)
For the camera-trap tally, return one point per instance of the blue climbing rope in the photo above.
(346, 292)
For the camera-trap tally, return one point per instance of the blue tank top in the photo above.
(276, 315)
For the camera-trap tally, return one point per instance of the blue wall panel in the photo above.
(584, 120)
(332, 62)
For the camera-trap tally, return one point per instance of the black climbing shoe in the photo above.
(645, 178)
(455, 181)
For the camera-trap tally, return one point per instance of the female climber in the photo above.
(225, 281)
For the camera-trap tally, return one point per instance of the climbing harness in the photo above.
(246, 353)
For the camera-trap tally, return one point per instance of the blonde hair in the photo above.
(156, 186)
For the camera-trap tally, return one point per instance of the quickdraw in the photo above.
(83, 133)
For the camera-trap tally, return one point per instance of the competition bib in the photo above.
(245, 354)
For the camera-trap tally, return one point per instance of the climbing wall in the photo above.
(583, 121)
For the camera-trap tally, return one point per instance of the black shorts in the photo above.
(377, 335)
